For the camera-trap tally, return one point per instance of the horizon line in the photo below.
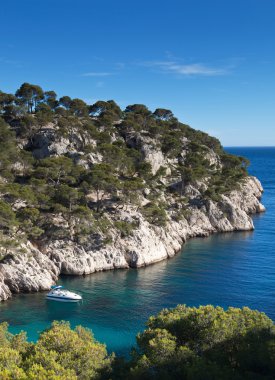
(248, 146)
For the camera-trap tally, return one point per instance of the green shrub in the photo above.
(125, 228)
(205, 343)
(155, 214)
(59, 354)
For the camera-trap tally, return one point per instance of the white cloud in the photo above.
(97, 74)
(192, 69)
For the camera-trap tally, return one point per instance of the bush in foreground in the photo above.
(204, 343)
(59, 354)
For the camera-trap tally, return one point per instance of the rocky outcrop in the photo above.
(103, 193)
(29, 271)
(48, 142)
(37, 269)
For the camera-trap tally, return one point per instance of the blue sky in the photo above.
(212, 62)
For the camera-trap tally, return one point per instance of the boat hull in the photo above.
(63, 299)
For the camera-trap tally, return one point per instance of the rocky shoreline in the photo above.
(40, 266)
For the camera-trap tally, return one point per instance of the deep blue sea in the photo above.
(231, 269)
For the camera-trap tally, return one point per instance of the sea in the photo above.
(230, 269)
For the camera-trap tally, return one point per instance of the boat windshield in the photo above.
(63, 291)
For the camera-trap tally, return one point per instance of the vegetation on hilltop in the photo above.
(102, 170)
(181, 343)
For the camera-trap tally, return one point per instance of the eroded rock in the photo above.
(37, 269)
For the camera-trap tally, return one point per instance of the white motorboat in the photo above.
(58, 293)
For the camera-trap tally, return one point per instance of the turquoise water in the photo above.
(234, 269)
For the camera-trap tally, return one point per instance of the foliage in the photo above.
(59, 354)
(30, 95)
(104, 169)
(107, 166)
(7, 216)
(155, 214)
(205, 343)
(102, 180)
(65, 101)
(181, 343)
(78, 107)
(7, 244)
(138, 108)
(107, 112)
(8, 150)
(50, 99)
(125, 228)
(163, 114)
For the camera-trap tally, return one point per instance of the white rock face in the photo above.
(251, 193)
(213, 158)
(48, 143)
(26, 272)
(151, 152)
(154, 156)
(37, 269)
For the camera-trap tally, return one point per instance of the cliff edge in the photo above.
(36, 270)
(85, 188)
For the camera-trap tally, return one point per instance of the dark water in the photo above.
(234, 269)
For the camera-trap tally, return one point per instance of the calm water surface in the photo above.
(234, 269)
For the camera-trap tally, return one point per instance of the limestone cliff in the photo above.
(85, 188)
(37, 270)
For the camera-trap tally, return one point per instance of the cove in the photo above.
(231, 269)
